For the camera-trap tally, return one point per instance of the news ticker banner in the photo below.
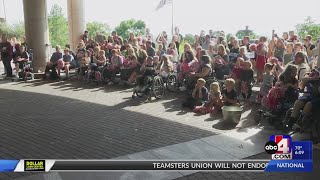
(120, 165)
(286, 156)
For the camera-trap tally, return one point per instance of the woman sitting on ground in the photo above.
(204, 71)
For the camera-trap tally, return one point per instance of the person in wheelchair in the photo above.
(284, 90)
(21, 57)
(204, 72)
(166, 66)
(144, 81)
(310, 84)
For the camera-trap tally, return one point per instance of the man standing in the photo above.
(309, 46)
(150, 50)
(148, 34)
(99, 38)
(246, 42)
(85, 36)
(6, 55)
(206, 43)
(211, 34)
(179, 38)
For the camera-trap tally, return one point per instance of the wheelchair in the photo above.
(25, 73)
(172, 83)
(277, 117)
(154, 88)
(94, 74)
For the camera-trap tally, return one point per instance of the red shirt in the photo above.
(236, 72)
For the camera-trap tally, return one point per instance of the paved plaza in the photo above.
(74, 120)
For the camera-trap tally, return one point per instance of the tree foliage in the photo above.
(15, 30)
(246, 32)
(308, 27)
(58, 26)
(228, 36)
(94, 27)
(189, 38)
(132, 25)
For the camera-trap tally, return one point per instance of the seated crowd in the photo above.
(279, 66)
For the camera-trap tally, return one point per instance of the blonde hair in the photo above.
(102, 52)
(244, 49)
(230, 81)
(201, 80)
(248, 63)
(215, 86)
(131, 50)
(222, 48)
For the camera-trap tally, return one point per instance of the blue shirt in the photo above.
(56, 56)
(68, 58)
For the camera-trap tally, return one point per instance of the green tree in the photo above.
(94, 27)
(58, 26)
(15, 30)
(216, 33)
(189, 38)
(132, 25)
(228, 36)
(19, 30)
(246, 32)
(308, 27)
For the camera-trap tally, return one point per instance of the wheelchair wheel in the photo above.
(287, 118)
(88, 77)
(158, 87)
(257, 118)
(172, 84)
(140, 94)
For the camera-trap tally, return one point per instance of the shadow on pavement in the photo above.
(49, 127)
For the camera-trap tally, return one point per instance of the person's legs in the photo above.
(304, 119)
(132, 77)
(48, 66)
(5, 71)
(66, 69)
(17, 69)
(7, 66)
(297, 107)
(60, 65)
(307, 120)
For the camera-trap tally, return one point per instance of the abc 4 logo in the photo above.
(282, 147)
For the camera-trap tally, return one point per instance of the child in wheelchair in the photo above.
(281, 97)
(310, 85)
(166, 66)
(144, 81)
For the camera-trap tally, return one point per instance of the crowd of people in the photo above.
(278, 65)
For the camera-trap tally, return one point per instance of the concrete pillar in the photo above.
(76, 21)
(37, 31)
(2, 12)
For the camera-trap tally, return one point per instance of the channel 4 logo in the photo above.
(279, 146)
